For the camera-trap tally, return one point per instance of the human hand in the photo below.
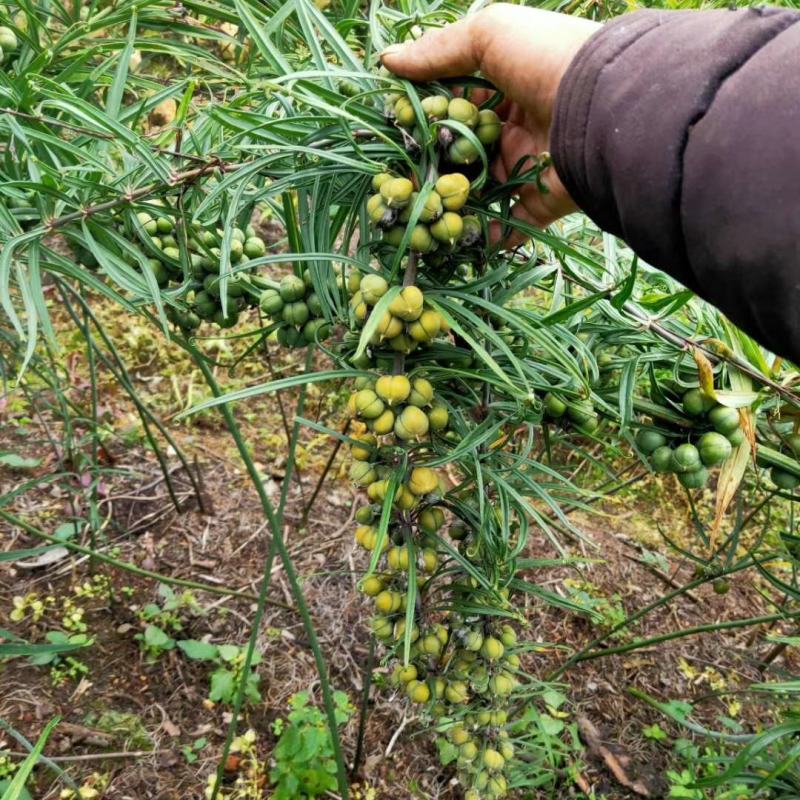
(524, 52)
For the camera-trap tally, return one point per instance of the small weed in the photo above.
(190, 751)
(304, 763)
(607, 612)
(226, 678)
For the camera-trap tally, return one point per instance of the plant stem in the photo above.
(278, 543)
(585, 653)
(711, 627)
(364, 708)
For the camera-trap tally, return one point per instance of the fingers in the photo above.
(444, 53)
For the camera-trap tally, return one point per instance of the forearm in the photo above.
(678, 132)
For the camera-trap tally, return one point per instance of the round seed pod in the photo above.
(8, 41)
(463, 111)
(389, 326)
(457, 692)
(404, 113)
(289, 336)
(368, 405)
(426, 327)
(159, 270)
(226, 320)
(404, 499)
(462, 151)
(372, 288)
(397, 192)
(411, 423)
(492, 648)
(472, 232)
(382, 628)
(295, 313)
(314, 305)
(421, 393)
(403, 344)
(236, 251)
(736, 438)
(695, 479)
(379, 213)
(271, 302)
(422, 480)
(725, 420)
(418, 692)
(501, 684)
(648, 440)
(365, 449)
(435, 107)
(438, 417)
(164, 225)
(489, 127)
(394, 235)
(316, 330)
(205, 305)
(431, 519)
(421, 240)
(393, 389)
(254, 247)
(784, 480)
(372, 586)
(362, 473)
(291, 288)
(379, 179)
(661, 459)
(696, 403)
(448, 228)
(383, 424)
(397, 559)
(408, 304)
(360, 309)
(492, 760)
(365, 515)
(453, 188)
(431, 210)
(686, 458)
(714, 448)
(580, 411)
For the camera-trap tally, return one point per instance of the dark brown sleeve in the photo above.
(679, 131)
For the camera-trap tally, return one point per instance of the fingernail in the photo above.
(392, 50)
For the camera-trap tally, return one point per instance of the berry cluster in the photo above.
(294, 306)
(460, 667)
(690, 460)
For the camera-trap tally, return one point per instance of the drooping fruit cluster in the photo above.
(458, 146)
(459, 667)
(690, 460)
(404, 324)
(295, 308)
(439, 228)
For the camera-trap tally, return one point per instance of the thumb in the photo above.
(443, 53)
